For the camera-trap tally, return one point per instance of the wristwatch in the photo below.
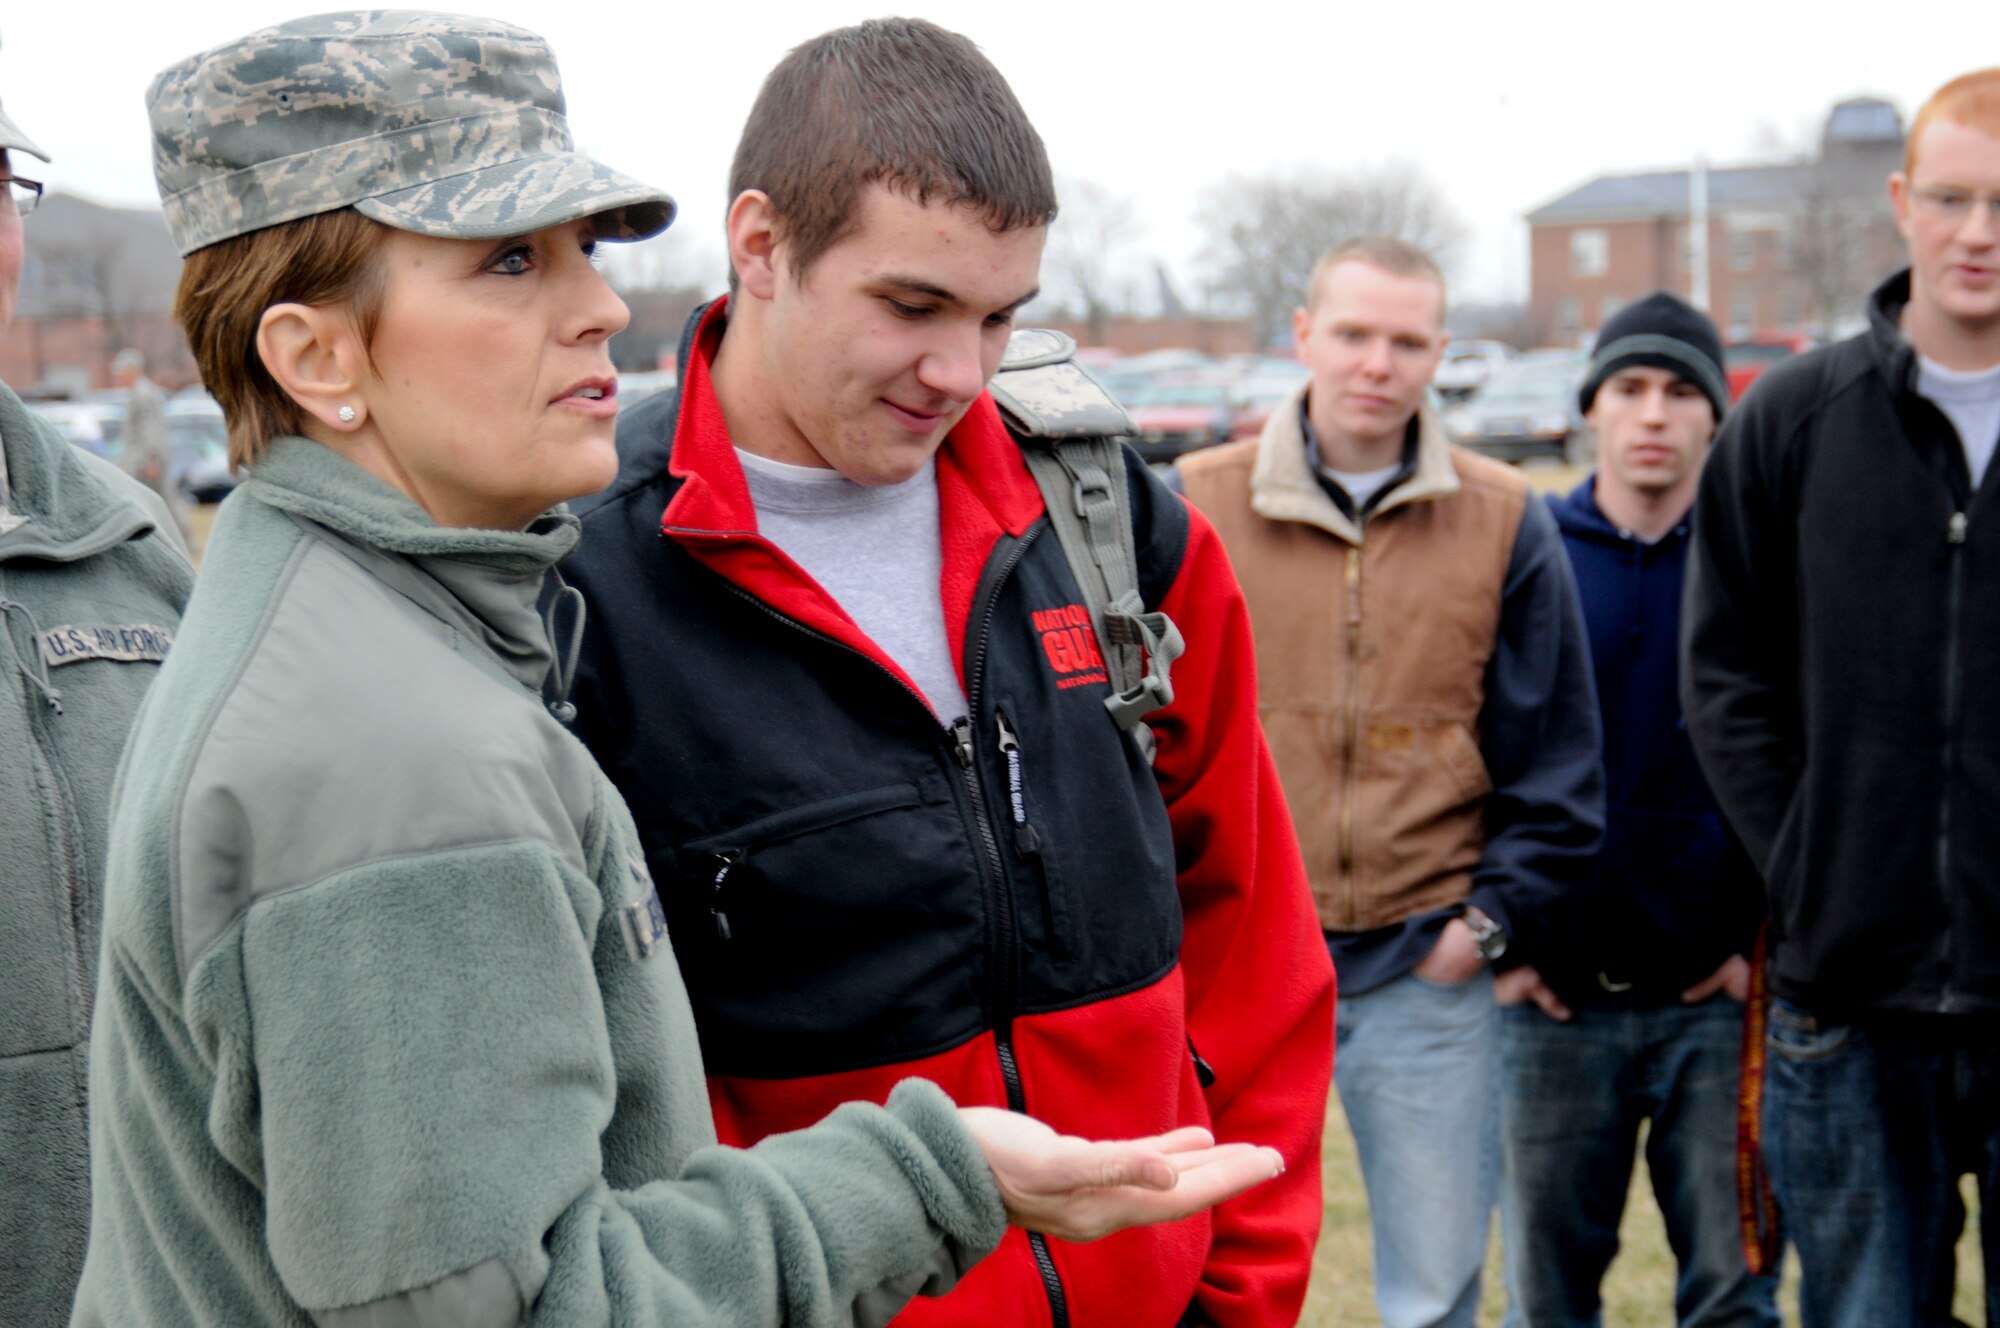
(1487, 935)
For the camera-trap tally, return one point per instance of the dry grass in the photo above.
(1638, 1292)
(201, 517)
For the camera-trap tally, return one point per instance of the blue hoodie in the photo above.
(1671, 894)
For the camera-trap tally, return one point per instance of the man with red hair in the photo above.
(1843, 689)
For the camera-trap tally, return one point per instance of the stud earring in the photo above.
(346, 414)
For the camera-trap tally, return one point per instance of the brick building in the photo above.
(1135, 336)
(95, 280)
(1793, 247)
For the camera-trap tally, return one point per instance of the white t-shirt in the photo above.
(876, 551)
(1970, 399)
(1361, 485)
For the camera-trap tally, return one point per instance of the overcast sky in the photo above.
(1506, 106)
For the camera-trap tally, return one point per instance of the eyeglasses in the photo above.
(19, 196)
(1954, 205)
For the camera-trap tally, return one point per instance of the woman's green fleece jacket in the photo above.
(92, 579)
(388, 1030)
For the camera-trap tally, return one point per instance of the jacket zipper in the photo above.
(1005, 974)
(1028, 840)
(1007, 969)
(72, 891)
(1954, 538)
(725, 863)
(65, 844)
(1351, 736)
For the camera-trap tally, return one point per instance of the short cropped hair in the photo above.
(895, 101)
(1397, 257)
(328, 258)
(1972, 100)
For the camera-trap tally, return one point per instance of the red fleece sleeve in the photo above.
(1259, 980)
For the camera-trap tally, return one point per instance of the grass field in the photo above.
(1638, 1293)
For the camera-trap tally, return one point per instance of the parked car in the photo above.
(95, 426)
(1745, 361)
(1262, 392)
(1525, 410)
(200, 444)
(1128, 377)
(1172, 418)
(1466, 367)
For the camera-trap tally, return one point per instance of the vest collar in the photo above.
(1284, 488)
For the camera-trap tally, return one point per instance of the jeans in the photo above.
(1866, 1132)
(1571, 1101)
(1415, 1070)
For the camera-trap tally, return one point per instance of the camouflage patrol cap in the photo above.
(439, 124)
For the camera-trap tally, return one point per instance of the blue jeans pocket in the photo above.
(1797, 1036)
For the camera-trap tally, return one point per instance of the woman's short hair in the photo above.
(328, 258)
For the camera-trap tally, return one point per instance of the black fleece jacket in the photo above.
(1842, 677)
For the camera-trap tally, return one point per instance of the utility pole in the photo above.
(1698, 230)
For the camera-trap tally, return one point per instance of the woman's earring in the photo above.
(346, 414)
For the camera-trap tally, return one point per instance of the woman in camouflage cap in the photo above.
(389, 1029)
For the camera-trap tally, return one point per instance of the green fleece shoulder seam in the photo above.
(276, 599)
(365, 864)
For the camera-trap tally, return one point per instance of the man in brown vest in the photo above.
(1426, 690)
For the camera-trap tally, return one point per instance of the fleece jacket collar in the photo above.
(484, 583)
(1284, 488)
(984, 492)
(1894, 356)
(51, 507)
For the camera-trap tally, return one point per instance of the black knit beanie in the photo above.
(1662, 331)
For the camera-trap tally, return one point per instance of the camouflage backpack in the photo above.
(1069, 427)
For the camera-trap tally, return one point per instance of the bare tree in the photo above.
(1836, 218)
(1091, 236)
(111, 267)
(674, 260)
(1263, 233)
(86, 278)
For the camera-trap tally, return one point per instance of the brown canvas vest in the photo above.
(1371, 662)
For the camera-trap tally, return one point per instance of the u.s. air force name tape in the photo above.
(130, 644)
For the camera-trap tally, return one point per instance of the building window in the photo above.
(1608, 309)
(1742, 314)
(1742, 250)
(1787, 244)
(1589, 253)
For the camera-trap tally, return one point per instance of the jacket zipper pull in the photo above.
(1204, 1073)
(1026, 841)
(725, 863)
(1954, 529)
(961, 736)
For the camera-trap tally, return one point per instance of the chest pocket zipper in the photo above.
(718, 857)
(1028, 841)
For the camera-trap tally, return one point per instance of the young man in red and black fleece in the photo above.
(834, 663)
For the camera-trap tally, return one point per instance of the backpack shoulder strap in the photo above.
(1069, 427)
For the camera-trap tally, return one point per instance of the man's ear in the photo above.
(753, 242)
(315, 355)
(1899, 201)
